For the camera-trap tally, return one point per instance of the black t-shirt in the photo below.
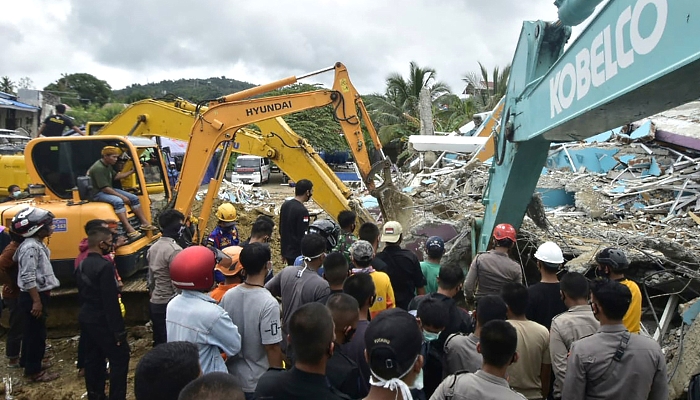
(293, 384)
(404, 272)
(544, 303)
(344, 375)
(294, 221)
(56, 124)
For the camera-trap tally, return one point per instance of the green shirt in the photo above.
(101, 176)
(345, 240)
(430, 272)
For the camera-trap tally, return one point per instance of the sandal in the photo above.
(44, 376)
(133, 234)
(148, 227)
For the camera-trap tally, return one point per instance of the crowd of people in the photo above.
(343, 319)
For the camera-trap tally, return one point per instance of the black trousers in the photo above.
(34, 337)
(160, 334)
(99, 344)
(13, 345)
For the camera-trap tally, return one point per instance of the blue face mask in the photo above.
(430, 336)
(16, 194)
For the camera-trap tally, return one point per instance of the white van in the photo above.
(251, 169)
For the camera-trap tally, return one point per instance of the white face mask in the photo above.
(397, 385)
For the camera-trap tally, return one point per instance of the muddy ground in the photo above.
(64, 340)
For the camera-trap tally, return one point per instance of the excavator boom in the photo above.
(633, 60)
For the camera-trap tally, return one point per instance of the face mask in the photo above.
(430, 336)
(600, 272)
(16, 194)
(310, 194)
(418, 382)
(109, 249)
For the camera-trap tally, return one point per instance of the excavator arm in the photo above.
(225, 117)
(634, 59)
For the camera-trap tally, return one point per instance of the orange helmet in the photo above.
(504, 231)
(193, 268)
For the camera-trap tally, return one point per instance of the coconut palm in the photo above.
(487, 92)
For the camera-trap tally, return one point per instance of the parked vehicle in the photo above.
(251, 169)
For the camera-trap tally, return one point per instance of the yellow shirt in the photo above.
(385, 293)
(633, 318)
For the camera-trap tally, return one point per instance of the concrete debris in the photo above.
(240, 193)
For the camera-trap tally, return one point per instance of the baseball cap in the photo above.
(230, 266)
(391, 232)
(435, 245)
(361, 251)
(393, 342)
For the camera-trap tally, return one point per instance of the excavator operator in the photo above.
(102, 177)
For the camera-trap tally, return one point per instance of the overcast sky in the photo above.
(141, 41)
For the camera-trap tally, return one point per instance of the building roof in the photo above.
(8, 101)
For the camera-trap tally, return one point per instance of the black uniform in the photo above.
(294, 221)
(56, 124)
(294, 384)
(101, 328)
(404, 272)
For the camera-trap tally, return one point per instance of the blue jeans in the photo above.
(117, 202)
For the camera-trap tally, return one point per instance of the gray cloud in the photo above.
(129, 40)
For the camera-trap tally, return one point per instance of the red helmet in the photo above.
(504, 231)
(193, 268)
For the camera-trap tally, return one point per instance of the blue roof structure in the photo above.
(9, 101)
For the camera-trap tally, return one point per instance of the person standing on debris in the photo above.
(102, 177)
(612, 264)
(193, 316)
(301, 285)
(253, 309)
(311, 334)
(346, 220)
(461, 352)
(55, 124)
(491, 270)
(342, 372)
(435, 248)
(361, 288)
(225, 234)
(532, 373)
(612, 363)
(403, 266)
(544, 298)
(570, 326)
(160, 257)
(102, 328)
(35, 279)
(498, 346)
(362, 254)
(232, 270)
(10, 294)
(294, 220)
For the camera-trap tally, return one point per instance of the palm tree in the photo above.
(452, 112)
(487, 91)
(396, 111)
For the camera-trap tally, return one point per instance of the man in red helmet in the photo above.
(491, 270)
(193, 316)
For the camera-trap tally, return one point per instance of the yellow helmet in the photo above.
(226, 212)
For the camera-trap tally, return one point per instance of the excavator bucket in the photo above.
(393, 203)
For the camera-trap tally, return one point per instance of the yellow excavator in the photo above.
(55, 164)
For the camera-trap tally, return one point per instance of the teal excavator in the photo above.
(635, 58)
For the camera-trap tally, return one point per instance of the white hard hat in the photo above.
(549, 252)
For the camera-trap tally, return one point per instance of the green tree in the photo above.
(316, 125)
(94, 113)
(6, 85)
(488, 91)
(452, 112)
(395, 113)
(81, 88)
(25, 83)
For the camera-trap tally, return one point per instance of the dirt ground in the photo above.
(64, 341)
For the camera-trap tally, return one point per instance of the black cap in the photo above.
(393, 341)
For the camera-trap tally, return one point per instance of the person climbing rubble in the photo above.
(491, 270)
